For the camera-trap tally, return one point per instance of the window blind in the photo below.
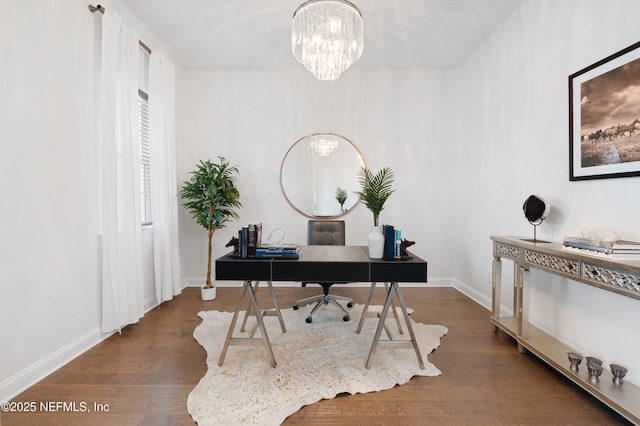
(145, 160)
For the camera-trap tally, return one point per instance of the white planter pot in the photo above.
(376, 243)
(208, 293)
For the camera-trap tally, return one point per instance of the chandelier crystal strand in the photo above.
(327, 37)
(323, 146)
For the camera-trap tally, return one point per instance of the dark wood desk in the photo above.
(337, 264)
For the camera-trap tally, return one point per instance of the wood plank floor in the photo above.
(143, 376)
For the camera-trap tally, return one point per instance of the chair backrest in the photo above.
(326, 233)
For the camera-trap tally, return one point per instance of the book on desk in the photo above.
(278, 252)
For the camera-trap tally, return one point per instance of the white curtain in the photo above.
(119, 151)
(163, 177)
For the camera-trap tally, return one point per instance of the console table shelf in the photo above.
(619, 276)
(507, 324)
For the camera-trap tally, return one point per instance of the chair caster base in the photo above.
(346, 318)
(308, 320)
(350, 305)
(296, 307)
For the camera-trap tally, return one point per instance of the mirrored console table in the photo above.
(619, 276)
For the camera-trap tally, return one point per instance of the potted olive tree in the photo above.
(375, 190)
(211, 197)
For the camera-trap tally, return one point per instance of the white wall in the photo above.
(252, 117)
(50, 294)
(512, 141)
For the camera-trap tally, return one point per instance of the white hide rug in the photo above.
(314, 361)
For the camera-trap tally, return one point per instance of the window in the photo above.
(145, 160)
(145, 144)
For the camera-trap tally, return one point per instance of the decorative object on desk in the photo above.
(235, 243)
(575, 360)
(374, 192)
(375, 242)
(276, 237)
(618, 372)
(211, 196)
(536, 211)
(341, 197)
(246, 390)
(404, 254)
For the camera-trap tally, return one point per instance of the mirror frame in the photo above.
(284, 159)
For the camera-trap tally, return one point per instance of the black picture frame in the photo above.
(604, 118)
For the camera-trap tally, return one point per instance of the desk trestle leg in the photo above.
(267, 312)
(367, 314)
(412, 342)
(250, 341)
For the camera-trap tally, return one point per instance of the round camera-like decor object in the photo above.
(536, 210)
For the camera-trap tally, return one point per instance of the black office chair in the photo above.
(325, 232)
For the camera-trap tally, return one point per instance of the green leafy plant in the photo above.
(341, 196)
(211, 197)
(375, 189)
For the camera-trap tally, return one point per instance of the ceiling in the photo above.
(256, 34)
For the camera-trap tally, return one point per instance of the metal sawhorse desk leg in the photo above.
(412, 342)
(251, 341)
(366, 313)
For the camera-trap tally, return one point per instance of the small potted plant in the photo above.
(341, 197)
(375, 190)
(211, 196)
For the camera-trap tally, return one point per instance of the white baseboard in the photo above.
(192, 282)
(479, 298)
(31, 375)
(472, 293)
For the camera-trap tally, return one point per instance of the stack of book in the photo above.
(249, 238)
(619, 249)
(289, 251)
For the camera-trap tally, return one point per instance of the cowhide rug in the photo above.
(314, 361)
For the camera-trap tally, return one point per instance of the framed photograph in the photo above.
(604, 118)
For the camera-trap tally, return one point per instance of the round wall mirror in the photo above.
(319, 175)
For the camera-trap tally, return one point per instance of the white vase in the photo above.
(208, 293)
(376, 243)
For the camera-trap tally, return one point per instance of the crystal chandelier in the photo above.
(327, 37)
(323, 146)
